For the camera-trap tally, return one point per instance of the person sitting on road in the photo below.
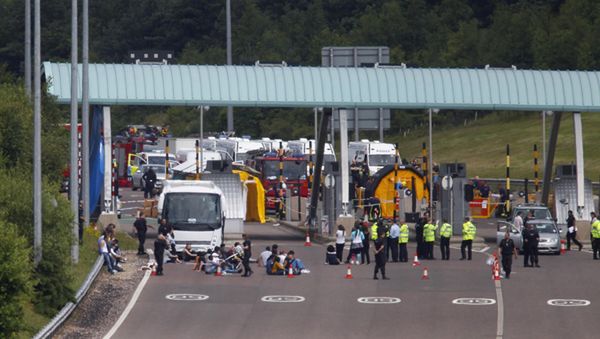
(104, 251)
(264, 256)
(188, 253)
(213, 263)
(331, 256)
(277, 268)
(116, 253)
(282, 256)
(296, 264)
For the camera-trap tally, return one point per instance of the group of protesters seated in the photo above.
(278, 262)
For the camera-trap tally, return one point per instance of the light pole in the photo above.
(430, 159)
(37, 135)
(202, 108)
(544, 113)
(28, 48)
(230, 127)
(74, 183)
(85, 115)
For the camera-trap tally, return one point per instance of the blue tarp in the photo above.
(96, 158)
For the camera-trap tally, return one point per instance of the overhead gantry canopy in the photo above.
(341, 87)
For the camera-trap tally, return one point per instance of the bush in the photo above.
(15, 278)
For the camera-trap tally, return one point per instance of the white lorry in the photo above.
(376, 154)
(306, 147)
(238, 148)
(196, 210)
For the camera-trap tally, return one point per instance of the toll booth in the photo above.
(454, 206)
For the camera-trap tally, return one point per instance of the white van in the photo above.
(196, 210)
(303, 146)
(238, 148)
(375, 153)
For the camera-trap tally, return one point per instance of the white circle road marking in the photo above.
(283, 299)
(186, 297)
(569, 302)
(378, 300)
(474, 301)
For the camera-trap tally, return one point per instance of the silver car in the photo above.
(138, 182)
(549, 235)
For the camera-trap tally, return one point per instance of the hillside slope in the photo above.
(482, 144)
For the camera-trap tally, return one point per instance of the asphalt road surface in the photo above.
(327, 305)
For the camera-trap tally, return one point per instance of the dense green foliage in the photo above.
(48, 285)
(15, 278)
(556, 34)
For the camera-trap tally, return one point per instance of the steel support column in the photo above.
(549, 163)
(578, 131)
(314, 195)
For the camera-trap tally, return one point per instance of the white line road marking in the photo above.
(474, 301)
(129, 307)
(500, 321)
(283, 298)
(569, 302)
(378, 300)
(483, 250)
(186, 297)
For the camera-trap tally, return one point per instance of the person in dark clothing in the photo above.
(331, 257)
(419, 235)
(160, 244)
(531, 238)
(140, 229)
(507, 250)
(366, 243)
(247, 245)
(380, 255)
(572, 232)
(149, 178)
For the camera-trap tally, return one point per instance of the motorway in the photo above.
(327, 305)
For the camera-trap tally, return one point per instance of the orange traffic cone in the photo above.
(218, 273)
(563, 248)
(416, 261)
(290, 272)
(153, 269)
(496, 268)
(349, 272)
(307, 242)
(425, 274)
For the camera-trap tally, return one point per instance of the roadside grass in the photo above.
(482, 144)
(88, 253)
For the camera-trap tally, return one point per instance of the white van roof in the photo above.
(190, 186)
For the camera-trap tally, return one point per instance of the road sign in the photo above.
(378, 300)
(474, 301)
(329, 181)
(283, 299)
(569, 302)
(186, 297)
(447, 182)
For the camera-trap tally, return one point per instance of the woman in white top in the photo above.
(340, 241)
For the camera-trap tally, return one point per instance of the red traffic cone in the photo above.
(563, 248)
(496, 268)
(218, 273)
(425, 274)
(153, 269)
(349, 272)
(307, 242)
(290, 272)
(416, 261)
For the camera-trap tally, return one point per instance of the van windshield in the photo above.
(192, 211)
(382, 159)
(159, 160)
(292, 169)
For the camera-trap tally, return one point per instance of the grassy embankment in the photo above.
(87, 256)
(482, 144)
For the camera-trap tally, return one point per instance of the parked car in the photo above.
(549, 235)
(540, 212)
(138, 182)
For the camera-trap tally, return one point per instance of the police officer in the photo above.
(160, 245)
(595, 235)
(419, 235)
(507, 250)
(149, 180)
(429, 237)
(393, 241)
(403, 241)
(531, 238)
(468, 234)
(247, 245)
(445, 234)
(380, 255)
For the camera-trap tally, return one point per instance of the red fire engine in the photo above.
(293, 175)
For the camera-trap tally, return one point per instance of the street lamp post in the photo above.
(230, 126)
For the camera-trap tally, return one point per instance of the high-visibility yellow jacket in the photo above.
(446, 230)
(468, 231)
(374, 228)
(596, 229)
(429, 232)
(403, 239)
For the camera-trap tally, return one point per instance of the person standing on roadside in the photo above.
(419, 235)
(507, 250)
(141, 227)
(519, 222)
(160, 245)
(149, 178)
(366, 243)
(403, 241)
(393, 241)
(572, 232)
(445, 234)
(340, 242)
(380, 256)
(468, 234)
(247, 246)
(531, 238)
(595, 235)
(429, 237)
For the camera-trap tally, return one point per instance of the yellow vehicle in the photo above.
(134, 161)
